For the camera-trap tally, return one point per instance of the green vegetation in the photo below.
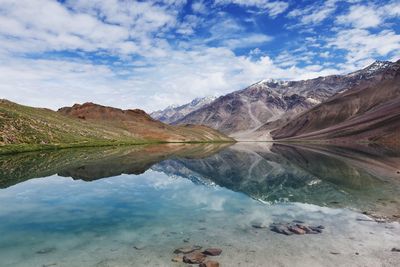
(24, 129)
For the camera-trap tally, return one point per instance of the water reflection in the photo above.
(133, 206)
(360, 177)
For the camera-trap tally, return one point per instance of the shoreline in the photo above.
(22, 148)
(11, 149)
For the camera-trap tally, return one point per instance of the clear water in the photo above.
(133, 206)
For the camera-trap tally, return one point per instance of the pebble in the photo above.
(209, 264)
(280, 229)
(316, 230)
(297, 228)
(195, 257)
(212, 251)
(307, 229)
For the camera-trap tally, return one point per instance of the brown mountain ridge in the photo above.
(24, 128)
(368, 112)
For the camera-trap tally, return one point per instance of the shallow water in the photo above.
(133, 206)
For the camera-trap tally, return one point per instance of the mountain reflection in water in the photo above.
(363, 178)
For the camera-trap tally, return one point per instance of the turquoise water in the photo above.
(135, 206)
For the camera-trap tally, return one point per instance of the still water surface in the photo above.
(133, 206)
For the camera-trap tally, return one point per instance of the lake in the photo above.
(135, 205)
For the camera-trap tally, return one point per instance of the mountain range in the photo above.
(267, 109)
(362, 106)
(368, 111)
(26, 128)
(175, 113)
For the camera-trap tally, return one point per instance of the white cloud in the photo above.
(199, 7)
(273, 8)
(148, 70)
(369, 16)
(361, 17)
(44, 25)
(247, 41)
(314, 14)
(174, 80)
(361, 44)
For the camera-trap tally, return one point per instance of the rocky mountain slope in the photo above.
(369, 111)
(174, 113)
(90, 124)
(140, 124)
(251, 113)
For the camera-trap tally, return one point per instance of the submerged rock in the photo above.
(280, 229)
(395, 249)
(194, 257)
(209, 264)
(295, 228)
(316, 229)
(212, 251)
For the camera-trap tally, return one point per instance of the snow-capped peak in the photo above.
(378, 65)
(270, 80)
(202, 100)
(374, 67)
(175, 112)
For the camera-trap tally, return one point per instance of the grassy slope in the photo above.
(25, 128)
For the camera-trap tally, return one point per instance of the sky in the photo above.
(152, 54)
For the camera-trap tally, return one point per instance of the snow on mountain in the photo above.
(256, 110)
(175, 112)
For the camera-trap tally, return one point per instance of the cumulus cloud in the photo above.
(199, 72)
(150, 54)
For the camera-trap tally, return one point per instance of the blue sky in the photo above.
(151, 54)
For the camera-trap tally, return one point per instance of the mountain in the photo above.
(140, 124)
(360, 177)
(251, 113)
(28, 128)
(174, 113)
(369, 111)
